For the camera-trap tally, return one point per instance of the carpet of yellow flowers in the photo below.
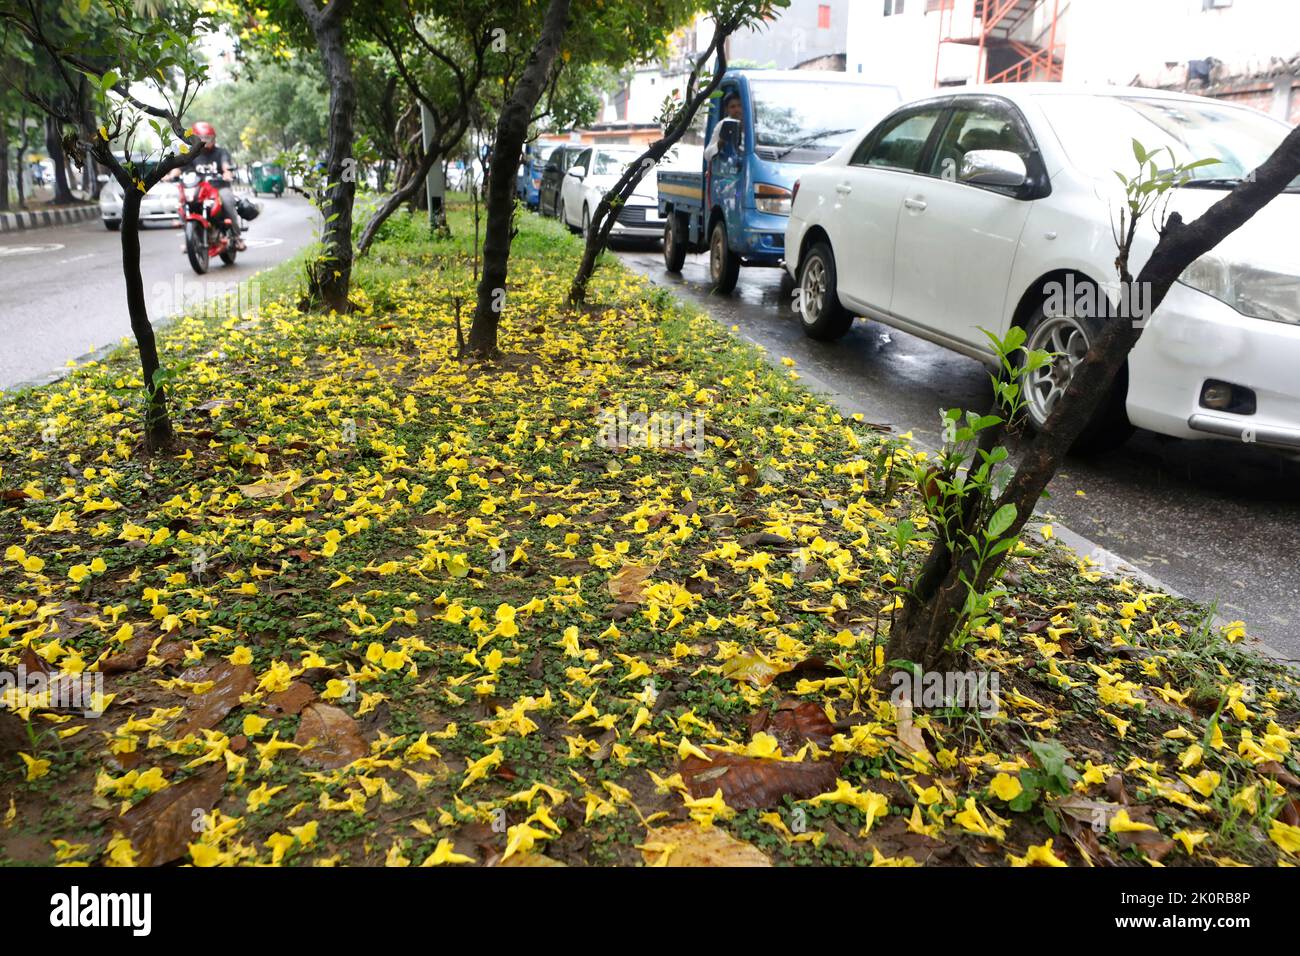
(382, 607)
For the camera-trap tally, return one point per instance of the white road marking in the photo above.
(30, 249)
(88, 255)
(261, 243)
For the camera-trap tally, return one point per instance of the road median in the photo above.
(619, 596)
(29, 219)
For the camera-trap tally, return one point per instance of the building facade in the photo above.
(1244, 50)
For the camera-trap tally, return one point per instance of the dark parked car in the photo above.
(557, 164)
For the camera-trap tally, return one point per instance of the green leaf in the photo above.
(1002, 519)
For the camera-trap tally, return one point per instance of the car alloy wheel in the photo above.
(812, 291)
(1063, 336)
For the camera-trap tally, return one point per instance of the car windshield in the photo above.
(612, 162)
(1240, 139)
(819, 116)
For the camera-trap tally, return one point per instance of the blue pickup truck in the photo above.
(528, 181)
(736, 206)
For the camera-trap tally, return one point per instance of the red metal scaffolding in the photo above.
(1008, 52)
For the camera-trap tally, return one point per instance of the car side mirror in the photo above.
(993, 167)
(578, 172)
(729, 135)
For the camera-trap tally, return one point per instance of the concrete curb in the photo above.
(40, 218)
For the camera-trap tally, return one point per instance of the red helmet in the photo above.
(203, 130)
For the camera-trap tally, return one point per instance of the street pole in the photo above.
(435, 185)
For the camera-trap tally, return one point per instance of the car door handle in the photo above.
(918, 204)
(844, 189)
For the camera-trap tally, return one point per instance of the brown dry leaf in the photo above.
(161, 826)
(802, 720)
(338, 739)
(1149, 843)
(1094, 813)
(687, 844)
(128, 658)
(1290, 813)
(1279, 772)
(291, 700)
(272, 489)
(793, 722)
(628, 586)
(230, 682)
(751, 782)
(909, 735)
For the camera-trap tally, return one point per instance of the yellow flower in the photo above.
(1037, 856)
(1285, 836)
(444, 853)
(36, 767)
(1006, 787)
(1120, 823)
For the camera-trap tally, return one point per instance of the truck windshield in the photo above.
(805, 121)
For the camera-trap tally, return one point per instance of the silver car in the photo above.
(160, 204)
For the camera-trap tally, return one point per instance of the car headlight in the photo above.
(773, 199)
(1259, 293)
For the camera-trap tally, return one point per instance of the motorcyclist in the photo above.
(213, 162)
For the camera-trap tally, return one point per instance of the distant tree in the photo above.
(277, 26)
(614, 33)
(91, 107)
(728, 17)
(440, 50)
(271, 108)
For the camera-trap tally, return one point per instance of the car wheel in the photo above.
(724, 266)
(1068, 337)
(112, 225)
(674, 243)
(818, 305)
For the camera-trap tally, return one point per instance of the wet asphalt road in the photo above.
(1215, 521)
(62, 294)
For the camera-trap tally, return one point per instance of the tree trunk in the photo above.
(507, 148)
(602, 221)
(4, 163)
(20, 171)
(408, 190)
(96, 187)
(54, 146)
(157, 425)
(334, 278)
(933, 608)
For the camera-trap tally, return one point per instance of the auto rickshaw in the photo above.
(268, 178)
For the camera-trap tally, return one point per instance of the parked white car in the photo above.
(160, 204)
(596, 171)
(994, 206)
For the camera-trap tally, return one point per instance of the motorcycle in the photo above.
(208, 223)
